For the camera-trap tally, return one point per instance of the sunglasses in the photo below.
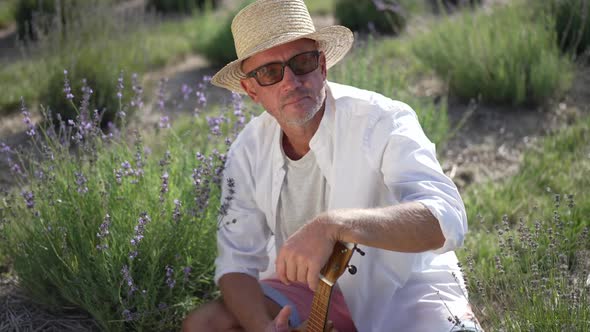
(272, 73)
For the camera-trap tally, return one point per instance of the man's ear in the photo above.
(247, 85)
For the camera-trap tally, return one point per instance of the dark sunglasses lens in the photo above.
(270, 74)
(304, 63)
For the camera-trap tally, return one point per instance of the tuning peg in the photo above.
(351, 269)
(357, 249)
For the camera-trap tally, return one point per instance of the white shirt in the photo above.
(373, 153)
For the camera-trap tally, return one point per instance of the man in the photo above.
(328, 163)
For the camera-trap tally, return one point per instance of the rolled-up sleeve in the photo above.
(243, 233)
(413, 174)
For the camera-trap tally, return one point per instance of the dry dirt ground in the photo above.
(488, 145)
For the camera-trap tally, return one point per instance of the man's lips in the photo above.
(295, 100)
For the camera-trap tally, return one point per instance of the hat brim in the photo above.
(334, 41)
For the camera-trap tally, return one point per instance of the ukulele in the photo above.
(333, 269)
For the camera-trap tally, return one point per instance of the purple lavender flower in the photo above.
(187, 271)
(27, 118)
(160, 94)
(81, 182)
(14, 167)
(128, 315)
(143, 220)
(170, 276)
(128, 280)
(120, 86)
(118, 176)
(86, 93)
(214, 124)
(67, 89)
(186, 91)
(176, 215)
(164, 187)
(164, 122)
(137, 92)
(29, 199)
(5, 148)
(103, 232)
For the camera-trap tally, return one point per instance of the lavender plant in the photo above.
(537, 278)
(102, 222)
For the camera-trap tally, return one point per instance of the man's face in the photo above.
(296, 98)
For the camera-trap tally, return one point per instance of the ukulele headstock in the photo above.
(338, 261)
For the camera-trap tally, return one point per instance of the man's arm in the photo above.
(406, 227)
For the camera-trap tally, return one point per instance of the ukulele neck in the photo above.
(319, 308)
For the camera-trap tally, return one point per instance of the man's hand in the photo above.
(305, 252)
(281, 323)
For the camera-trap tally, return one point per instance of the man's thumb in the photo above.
(282, 319)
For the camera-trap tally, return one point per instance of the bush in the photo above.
(180, 6)
(7, 10)
(99, 75)
(105, 224)
(506, 57)
(572, 23)
(217, 43)
(34, 17)
(365, 15)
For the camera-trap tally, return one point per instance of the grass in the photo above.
(527, 243)
(140, 44)
(7, 13)
(523, 257)
(323, 7)
(509, 56)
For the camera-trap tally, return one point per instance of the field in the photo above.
(108, 218)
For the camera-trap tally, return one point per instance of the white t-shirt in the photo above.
(303, 195)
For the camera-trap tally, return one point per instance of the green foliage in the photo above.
(505, 57)
(180, 6)
(572, 22)
(215, 40)
(324, 7)
(359, 15)
(105, 225)
(34, 17)
(99, 36)
(99, 76)
(529, 240)
(7, 9)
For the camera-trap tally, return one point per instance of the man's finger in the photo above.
(282, 319)
(313, 276)
(330, 327)
(291, 270)
(302, 274)
(282, 270)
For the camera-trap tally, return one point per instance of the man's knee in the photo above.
(212, 316)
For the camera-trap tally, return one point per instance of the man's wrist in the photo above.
(332, 225)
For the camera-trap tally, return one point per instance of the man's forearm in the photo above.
(406, 227)
(243, 297)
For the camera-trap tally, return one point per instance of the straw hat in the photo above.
(268, 23)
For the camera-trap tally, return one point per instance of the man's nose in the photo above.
(290, 80)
